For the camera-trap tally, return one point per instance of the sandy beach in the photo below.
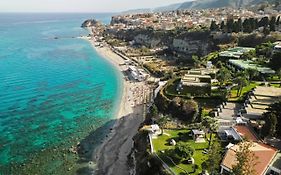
(112, 156)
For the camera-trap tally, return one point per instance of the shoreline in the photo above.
(112, 155)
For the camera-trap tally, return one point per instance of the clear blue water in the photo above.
(50, 89)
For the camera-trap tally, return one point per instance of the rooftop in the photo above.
(248, 64)
(276, 162)
(246, 132)
(264, 153)
(235, 52)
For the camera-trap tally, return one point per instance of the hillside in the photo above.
(203, 4)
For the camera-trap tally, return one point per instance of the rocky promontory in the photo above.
(91, 23)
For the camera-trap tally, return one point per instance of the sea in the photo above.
(56, 92)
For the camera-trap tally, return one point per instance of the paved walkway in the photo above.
(229, 113)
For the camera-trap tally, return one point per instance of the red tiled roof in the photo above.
(245, 132)
(263, 152)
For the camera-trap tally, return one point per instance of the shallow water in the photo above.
(52, 91)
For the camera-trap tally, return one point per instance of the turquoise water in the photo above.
(50, 89)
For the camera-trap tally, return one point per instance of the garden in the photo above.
(182, 165)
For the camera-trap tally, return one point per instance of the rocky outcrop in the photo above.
(91, 23)
(191, 46)
(146, 40)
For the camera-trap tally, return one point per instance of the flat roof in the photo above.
(235, 52)
(248, 64)
(276, 162)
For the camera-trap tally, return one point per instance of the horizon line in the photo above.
(36, 12)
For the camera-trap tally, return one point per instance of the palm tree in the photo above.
(242, 81)
(210, 124)
(162, 122)
(252, 73)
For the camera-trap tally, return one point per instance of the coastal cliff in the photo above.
(91, 23)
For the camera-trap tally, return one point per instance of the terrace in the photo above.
(259, 101)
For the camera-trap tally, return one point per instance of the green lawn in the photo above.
(274, 78)
(162, 144)
(234, 97)
(277, 85)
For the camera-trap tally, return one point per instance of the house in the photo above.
(235, 53)
(137, 74)
(229, 134)
(265, 156)
(195, 83)
(154, 129)
(198, 135)
(268, 158)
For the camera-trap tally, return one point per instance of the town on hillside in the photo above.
(216, 75)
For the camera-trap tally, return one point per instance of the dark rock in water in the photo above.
(90, 23)
(56, 38)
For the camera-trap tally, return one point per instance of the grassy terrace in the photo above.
(233, 95)
(162, 144)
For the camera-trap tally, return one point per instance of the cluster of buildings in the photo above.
(137, 73)
(182, 18)
(233, 56)
(173, 19)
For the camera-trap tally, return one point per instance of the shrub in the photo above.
(184, 150)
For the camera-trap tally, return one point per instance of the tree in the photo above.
(229, 25)
(211, 125)
(184, 150)
(269, 129)
(265, 49)
(263, 22)
(278, 21)
(266, 31)
(196, 61)
(239, 25)
(273, 120)
(222, 26)
(153, 111)
(242, 81)
(252, 73)
(223, 75)
(235, 27)
(275, 61)
(214, 26)
(162, 122)
(272, 23)
(246, 160)
(214, 158)
(186, 110)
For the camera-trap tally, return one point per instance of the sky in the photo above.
(80, 5)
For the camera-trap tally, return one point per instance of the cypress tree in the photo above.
(222, 26)
(272, 23)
